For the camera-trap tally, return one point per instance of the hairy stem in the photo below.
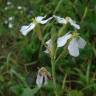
(53, 76)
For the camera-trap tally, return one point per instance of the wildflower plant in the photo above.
(70, 40)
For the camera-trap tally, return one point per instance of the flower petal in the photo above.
(45, 80)
(27, 28)
(45, 21)
(61, 41)
(39, 18)
(60, 20)
(39, 80)
(73, 48)
(49, 45)
(81, 42)
(48, 42)
(73, 23)
(46, 51)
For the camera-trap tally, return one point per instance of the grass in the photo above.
(20, 57)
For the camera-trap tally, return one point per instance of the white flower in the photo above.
(19, 7)
(74, 45)
(10, 18)
(9, 3)
(67, 20)
(39, 19)
(60, 20)
(39, 80)
(49, 45)
(6, 21)
(61, 41)
(42, 77)
(6, 8)
(27, 28)
(10, 25)
(73, 23)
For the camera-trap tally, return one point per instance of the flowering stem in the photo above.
(61, 31)
(53, 76)
(63, 54)
(59, 57)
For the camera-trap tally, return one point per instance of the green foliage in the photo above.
(29, 92)
(21, 56)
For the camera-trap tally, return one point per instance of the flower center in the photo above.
(34, 21)
(75, 34)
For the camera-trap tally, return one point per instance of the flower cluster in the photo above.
(71, 39)
(66, 20)
(39, 19)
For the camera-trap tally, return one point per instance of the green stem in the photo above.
(53, 76)
(60, 56)
(61, 31)
(64, 54)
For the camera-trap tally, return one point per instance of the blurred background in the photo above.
(20, 56)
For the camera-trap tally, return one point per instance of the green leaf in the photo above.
(75, 93)
(30, 92)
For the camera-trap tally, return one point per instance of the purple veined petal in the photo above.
(60, 20)
(39, 80)
(39, 18)
(73, 48)
(45, 21)
(45, 80)
(81, 42)
(73, 23)
(61, 41)
(27, 28)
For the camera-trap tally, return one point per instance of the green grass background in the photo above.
(20, 57)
